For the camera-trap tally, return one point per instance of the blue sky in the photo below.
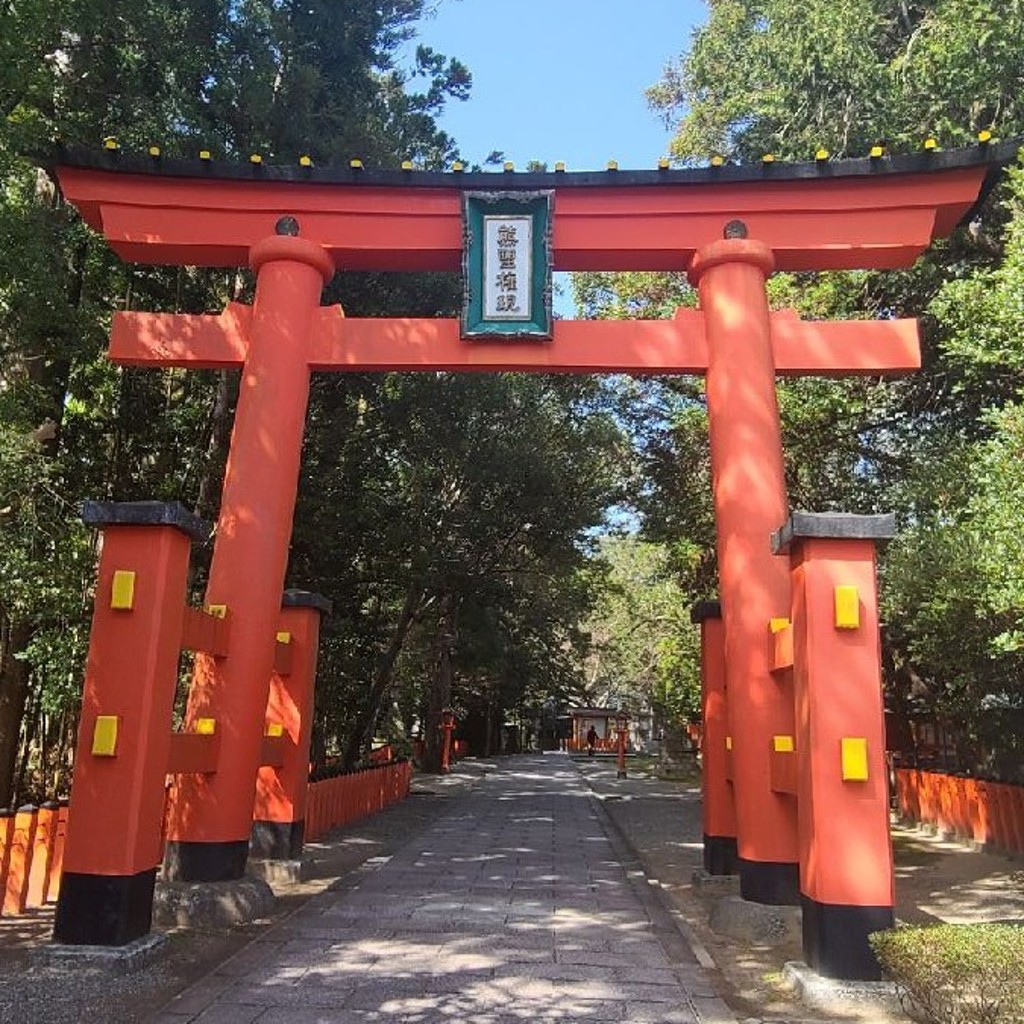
(561, 79)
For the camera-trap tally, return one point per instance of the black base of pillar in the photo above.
(720, 855)
(104, 910)
(836, 939)
(277, 840)
(774, 883)
(205, 862)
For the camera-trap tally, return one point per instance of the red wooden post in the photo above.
(42, 857)
(6, 847)
(281, 792)
(846, 869)
(447, 725)
(1015, 811)
(719, 810)
(19, 865)
(211, 818)
(312, 824)
(621, 728)
(750, 502)
(124, 735)
(57, 864)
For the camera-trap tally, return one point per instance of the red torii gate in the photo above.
(730, 228)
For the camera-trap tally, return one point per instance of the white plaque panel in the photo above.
(508, 268)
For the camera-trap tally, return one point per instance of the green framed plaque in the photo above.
(506, 263)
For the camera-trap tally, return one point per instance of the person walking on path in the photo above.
(591, 740)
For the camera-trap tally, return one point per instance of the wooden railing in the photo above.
(31, 854)
(32, 838)
(988, 813)
(344, 798)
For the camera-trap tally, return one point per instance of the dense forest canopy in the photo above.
(941, 448)
(461, 524)
(448, 518)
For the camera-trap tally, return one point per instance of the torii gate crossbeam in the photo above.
(851, 214)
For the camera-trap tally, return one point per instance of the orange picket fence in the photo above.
(32, 838)
(31, 854)
(989, 813)
(345, 798)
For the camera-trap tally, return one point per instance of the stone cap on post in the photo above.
(832, 525)
(145, 513)
(703, 610)
(307, 599)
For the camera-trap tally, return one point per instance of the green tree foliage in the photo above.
(464, 501)
(449, 518)
(956, 577)
(274, 75)
(941, 447)
(787, 77)
(645, 652)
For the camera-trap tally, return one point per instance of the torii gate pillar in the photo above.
(749, 487)
(210, 817)
(715, 747)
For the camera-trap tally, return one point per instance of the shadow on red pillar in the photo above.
(720, 853)
(749, 490)
(281, 790)
(114, 841)
(846, 867)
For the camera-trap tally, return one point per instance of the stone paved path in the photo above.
(515, 906)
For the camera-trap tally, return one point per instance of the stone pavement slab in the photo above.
(520, 904)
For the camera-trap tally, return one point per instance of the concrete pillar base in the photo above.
(739, 919)
(211, 904)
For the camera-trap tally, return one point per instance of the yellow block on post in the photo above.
(284, 637)
(104, 736)
(206, 726)
(275, 729)
(855, 759)
(122, 590)
(847, 608)
(783, 744)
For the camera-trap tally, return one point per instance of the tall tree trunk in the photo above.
(219, 433)
(488, 724)
(30, 730)
(383, 676)
(208, 493)
(50, 374)
(14, 685)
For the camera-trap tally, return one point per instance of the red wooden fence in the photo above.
(345, 798)
(32, 838)
(31, 854)
(991, 813)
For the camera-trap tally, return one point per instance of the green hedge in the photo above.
(957, 973)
